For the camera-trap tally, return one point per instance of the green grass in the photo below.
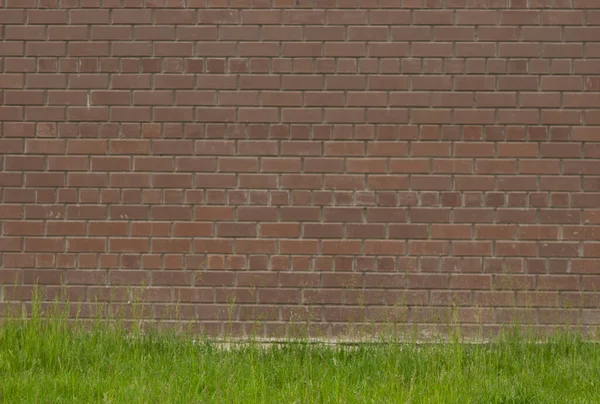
(45, 360)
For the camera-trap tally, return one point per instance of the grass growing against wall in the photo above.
(43, 359)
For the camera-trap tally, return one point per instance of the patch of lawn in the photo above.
(47, 361)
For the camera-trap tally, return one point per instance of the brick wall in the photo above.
(362, 161)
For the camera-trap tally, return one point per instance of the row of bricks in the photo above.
(131, 200)
(216, 264)
(184, 99)
(416, 230)
(322, 287)
(316, 299)
(37, 67)
(358, 182)
(289, 33)
(239, 132)
(259, 320)
(261, 4)
(456, 248)
(330, 166)
(312, 156)
(315, 152)
(275, 49)
(193, 16)
(303, 115)
(313, 300)
(138, 205)
(63, 86)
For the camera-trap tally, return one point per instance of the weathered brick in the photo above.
(183, 147)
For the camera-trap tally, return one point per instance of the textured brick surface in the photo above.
(289, 160)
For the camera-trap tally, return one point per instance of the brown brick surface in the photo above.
(411, 161)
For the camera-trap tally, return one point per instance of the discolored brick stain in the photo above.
(244, 163)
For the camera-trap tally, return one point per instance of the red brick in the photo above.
(177, 147)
